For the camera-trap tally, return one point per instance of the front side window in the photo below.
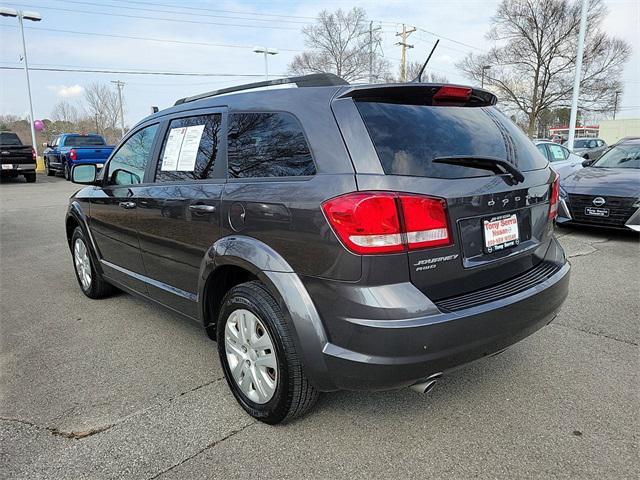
(267, 145)
(128, 164)
(190, 149)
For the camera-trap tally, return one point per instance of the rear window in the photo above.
(84, 141)
(9, 138)
(408, 138)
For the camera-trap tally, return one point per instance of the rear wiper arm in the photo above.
(493, 164)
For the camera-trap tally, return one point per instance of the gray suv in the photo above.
(330, 236)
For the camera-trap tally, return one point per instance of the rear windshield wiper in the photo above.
(495, 165)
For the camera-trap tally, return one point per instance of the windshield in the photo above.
(84, 141)
(9, 138)
(621, 156)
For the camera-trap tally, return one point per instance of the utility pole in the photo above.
(120, 86)
(615, 104)
(576, 78)
(403, 59)
(371, 50)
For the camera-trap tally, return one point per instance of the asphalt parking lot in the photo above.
(119, 388)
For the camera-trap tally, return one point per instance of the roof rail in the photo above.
(312, 80)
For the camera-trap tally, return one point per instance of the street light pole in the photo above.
(35, 17)
(576, 78)
(120, 85)
(266, 51)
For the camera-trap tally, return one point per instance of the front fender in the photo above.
(75, 212)
(285, 286)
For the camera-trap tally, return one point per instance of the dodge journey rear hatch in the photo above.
(471, 193)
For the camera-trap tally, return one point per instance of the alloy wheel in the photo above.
(82, 263)
(251, 356)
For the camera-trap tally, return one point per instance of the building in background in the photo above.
(613, 130)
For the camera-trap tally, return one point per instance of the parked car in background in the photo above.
(562, 160)
(331, 236)
(71, 149)
(589, 148)
(606, 192)
(16, 159)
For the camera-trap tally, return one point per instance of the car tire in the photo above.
(291, 393)
(67, 171)
(30, 177)
(47, 169)
(585, 156)
(90, 281)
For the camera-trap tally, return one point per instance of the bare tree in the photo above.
(413, 69)
(341, 43)
(102, 105)
(65, 112)
(533, 60)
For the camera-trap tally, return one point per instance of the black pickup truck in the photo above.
(16, 158)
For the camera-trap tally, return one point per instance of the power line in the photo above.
(175, 20)
(150, 39)
(137, 72)
(184, 7)
(178, 12)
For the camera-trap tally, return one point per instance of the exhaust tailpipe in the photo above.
(427, 385)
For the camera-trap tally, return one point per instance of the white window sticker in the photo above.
(172, 149)
(189, 151)
(181, 149)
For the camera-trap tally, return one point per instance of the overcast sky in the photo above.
(216, 42)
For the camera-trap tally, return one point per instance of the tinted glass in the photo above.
(194, 164)
(9, 138)
(84, 141)
(409, 137)
(558, 153)
(580, 143)
(621, 156)
(267, 145)
(128, 164)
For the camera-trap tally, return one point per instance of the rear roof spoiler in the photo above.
(415, 93)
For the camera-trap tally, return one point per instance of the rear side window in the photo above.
(408, 138)
(190, 148)
(9, 138)
(267, 145)
(84, 141)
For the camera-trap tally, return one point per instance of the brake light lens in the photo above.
(425, 221)
(386, 222)
(33, 153)
(452, 94)
(554, 198)
(72, 154)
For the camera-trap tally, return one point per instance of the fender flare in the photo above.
(286, 287)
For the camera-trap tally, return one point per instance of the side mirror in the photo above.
(84, 174)
(587, 162)
(124, 177)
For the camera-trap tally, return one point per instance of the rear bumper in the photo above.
(387, 354)
(18, 168)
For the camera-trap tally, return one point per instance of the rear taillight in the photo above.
(554, 198)
(33, 154)
(72, 154)
(386, 222)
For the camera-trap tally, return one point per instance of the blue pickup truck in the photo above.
(71, 149)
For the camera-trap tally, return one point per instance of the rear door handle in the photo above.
(128, 205)
(202, 208)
